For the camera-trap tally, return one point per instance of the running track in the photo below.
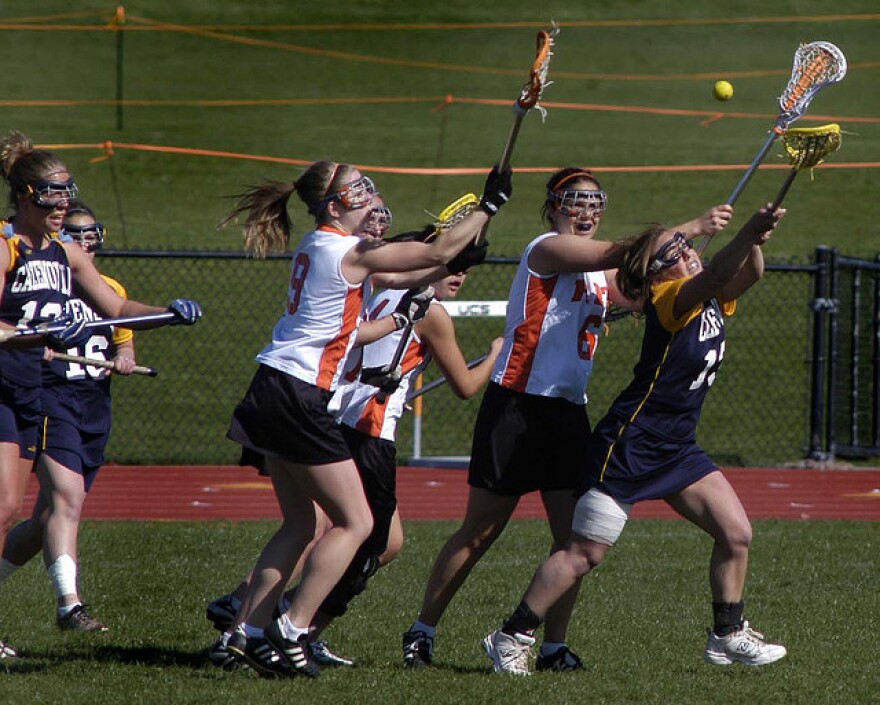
(217, 492)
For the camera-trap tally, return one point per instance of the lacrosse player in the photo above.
(37, 273)
(72, 442)
(284, 414)
(532, 427)
(645, 447)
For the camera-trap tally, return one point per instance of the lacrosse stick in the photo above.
(440, 381)
(807, 147)
(8, 334)
(448, 218)
(106, 364)
(815, 66)
(531, 91)
(528, 97)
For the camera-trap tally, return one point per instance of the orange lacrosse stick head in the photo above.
(531, 91)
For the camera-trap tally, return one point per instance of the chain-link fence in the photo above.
(757, 412)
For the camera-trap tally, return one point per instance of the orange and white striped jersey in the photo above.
(355, 403)
(552, 331)
(314, 335)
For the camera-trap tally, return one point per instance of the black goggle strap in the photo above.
(670, 253)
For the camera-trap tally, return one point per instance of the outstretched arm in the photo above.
(734, 267)
(438, 331)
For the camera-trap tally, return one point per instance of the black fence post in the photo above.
(818, 387)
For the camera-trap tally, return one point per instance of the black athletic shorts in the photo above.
(526, 442)
(284, 417)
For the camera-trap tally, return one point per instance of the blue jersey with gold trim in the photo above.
(37, 286)
(678, 363)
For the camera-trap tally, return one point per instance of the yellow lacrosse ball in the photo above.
(723, 90)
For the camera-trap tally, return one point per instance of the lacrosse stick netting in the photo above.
(532, 90)
(815, 66)
(806, 148)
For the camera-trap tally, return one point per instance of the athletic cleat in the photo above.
(259, 654)
(563, 659)
(222, 612)
(297, 653)
(324, 657)
(745, 646)
(509, 653)
(418, 649)
(221, 657)
(6, 651)
(79, 620)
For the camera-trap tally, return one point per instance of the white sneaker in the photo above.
(6, 651)
(744, 645)
(509, 654)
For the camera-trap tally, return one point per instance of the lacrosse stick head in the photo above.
(807, 147)
(454, 213)
(815, 66)
(532, 90)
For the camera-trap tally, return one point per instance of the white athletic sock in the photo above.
(7, 568)
(289, 630)
(62, 573)
(422, 627)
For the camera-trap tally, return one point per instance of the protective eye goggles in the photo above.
(49, 194)
(356, 195)
(670, 253)
(579, 203)
(378, 222)
(90, 237)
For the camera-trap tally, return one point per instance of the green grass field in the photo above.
(640, 622)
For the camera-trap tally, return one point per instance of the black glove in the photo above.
(497, 190)
(386, 379)
(470, 256)
(72, 335)
(186, 311)
(413, 306)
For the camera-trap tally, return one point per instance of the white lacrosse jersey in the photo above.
(354, 403)
(552, 331)
(314, 335)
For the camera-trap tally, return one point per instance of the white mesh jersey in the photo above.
(314, 335)
(355, 403)
(552, 331)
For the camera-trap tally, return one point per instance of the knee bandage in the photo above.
(599, 517)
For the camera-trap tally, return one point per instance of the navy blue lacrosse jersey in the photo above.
(645, 447)
(677, 365)
(37, 286)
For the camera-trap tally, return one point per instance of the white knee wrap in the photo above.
(599, 517)
(62, 573)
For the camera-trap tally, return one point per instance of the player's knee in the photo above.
(738, 536)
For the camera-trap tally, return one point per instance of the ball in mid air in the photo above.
(723, 90)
